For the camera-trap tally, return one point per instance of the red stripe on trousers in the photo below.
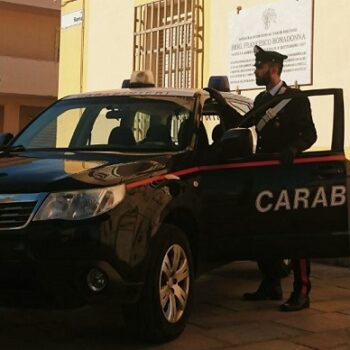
(304, 277)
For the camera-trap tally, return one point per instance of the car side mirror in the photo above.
(236, 143)
(5, 138)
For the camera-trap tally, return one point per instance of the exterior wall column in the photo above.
(72, 48)
(12, 118)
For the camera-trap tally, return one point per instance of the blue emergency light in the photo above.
(219, 82)
(126, 83)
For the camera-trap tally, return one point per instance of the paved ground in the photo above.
(220, 319)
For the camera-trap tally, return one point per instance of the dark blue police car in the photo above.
(130, 194)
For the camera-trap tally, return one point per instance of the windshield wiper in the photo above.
(9, 149)
(100, 148)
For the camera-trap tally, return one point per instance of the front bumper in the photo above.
(53, 259)
(62, 284)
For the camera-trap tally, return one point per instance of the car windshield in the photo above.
(123, 123)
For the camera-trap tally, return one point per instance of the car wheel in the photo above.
(163, 309)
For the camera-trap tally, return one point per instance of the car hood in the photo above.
(34, 172)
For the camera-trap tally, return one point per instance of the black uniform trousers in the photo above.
(271, 271)
(293, 128)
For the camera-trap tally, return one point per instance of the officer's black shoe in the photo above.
(265, 293)
(296, 302)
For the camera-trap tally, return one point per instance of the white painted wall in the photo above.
(108, 44)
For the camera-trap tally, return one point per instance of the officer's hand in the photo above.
(287, 156)
(215, 94)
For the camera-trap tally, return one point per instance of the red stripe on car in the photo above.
(262, 163)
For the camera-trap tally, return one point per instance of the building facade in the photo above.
(29, 43)
(184, 42)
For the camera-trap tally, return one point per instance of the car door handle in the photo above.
(330, 171)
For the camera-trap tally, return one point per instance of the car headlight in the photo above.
(78, 205)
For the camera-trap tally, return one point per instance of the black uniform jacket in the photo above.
(291, 128)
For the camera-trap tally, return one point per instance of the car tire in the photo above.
(162, 311)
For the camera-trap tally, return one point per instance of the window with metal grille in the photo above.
(168, 40)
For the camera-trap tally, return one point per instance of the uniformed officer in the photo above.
(288, 133)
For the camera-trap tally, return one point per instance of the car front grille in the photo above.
(15, 214)
(16, 210)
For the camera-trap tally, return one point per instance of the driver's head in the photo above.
(268, 65)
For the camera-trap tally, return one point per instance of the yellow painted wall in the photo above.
(71, 52)
(332, 51)
(95, 55)
(71, 73)
(207, 42)
(98, 54)
(217, 28)
(108, 45)
(331, 46)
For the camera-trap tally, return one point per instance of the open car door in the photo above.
(302, 209)
(255, 207)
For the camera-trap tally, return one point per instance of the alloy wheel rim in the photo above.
(174, 283)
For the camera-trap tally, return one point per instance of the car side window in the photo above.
(212, 127)
(101, 129)
(58, 132)
(142, 122)
(179, 129)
